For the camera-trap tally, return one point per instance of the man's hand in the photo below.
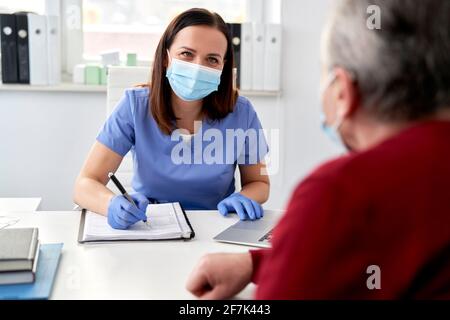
(220, 275)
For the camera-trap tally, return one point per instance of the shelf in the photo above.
(63, 87)
(253, 93)
(71, 87)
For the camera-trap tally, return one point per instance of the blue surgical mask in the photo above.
(332, 131)
(192, 81)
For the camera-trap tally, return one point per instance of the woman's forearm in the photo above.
(256, 190)
(92, 195)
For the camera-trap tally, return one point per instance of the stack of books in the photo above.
(27, 268)
(19, 254)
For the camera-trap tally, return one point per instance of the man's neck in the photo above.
(370, 135)
(443, 114)
(370, 132)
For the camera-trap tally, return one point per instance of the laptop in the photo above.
(256, 233)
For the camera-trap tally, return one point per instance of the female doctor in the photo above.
(191, 92)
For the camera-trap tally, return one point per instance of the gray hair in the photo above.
(402, 69)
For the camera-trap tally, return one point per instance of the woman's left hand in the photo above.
(246, 208)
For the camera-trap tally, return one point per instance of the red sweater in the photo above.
(388, 206)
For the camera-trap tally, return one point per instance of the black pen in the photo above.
(121, 188)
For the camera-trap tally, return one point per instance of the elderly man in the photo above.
(373, 224)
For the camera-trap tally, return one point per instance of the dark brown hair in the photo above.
(218, 104)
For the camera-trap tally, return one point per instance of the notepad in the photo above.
(165, 221)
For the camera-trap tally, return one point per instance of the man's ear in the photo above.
(345, 93)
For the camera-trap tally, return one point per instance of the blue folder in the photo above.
(45, 275)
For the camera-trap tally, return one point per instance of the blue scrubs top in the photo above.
(196, 184)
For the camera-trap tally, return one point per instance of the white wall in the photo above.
(306, 145)
(44, 140)
(46, 136)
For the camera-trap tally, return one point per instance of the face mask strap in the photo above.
(330, 79)
(333, 130)
(170, 58)
(338, 123)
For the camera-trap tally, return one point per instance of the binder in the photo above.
(258, 56)
(272, 57)
(22, 48)
(54, 50)
(72, 34)
(53, 8)
(235, 32)
(95, 228)
(246, 57)
(37, 42)
(8, 32)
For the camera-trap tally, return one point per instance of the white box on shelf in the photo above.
(110, 58)
(78, 74)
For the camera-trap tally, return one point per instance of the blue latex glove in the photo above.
(246, 208)
(122, 213)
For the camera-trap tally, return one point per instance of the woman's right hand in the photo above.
(122, 213)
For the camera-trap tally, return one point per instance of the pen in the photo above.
(121, 188)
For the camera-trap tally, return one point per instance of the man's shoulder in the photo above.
(346, 175)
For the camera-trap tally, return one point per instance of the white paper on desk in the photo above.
(166, 221)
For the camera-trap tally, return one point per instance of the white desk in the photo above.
(136, 270)
(19, 204)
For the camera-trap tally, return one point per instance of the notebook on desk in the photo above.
(166, 221)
